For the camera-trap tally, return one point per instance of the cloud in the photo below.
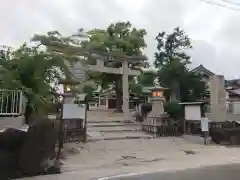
(214, 30)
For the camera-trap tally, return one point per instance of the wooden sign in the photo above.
(74, 111)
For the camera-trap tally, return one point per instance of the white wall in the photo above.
(236, 107)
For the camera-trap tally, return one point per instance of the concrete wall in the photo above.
(11, 122)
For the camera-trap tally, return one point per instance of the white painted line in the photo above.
(141, 173)
(164, 170)
(123, 175)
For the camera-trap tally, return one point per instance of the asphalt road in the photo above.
(226, 172)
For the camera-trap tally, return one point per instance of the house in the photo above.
(232, 86)
(205, 73)
(107, 99)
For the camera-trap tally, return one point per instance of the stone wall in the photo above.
(11, 122)
(230, 117)
(29, 153)
(218, 98)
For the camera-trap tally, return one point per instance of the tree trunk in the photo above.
(28, 112)
(175, 91)
(118, 90)
(60, 143)
(60, 139)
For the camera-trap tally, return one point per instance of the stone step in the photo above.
(115, 129)
(94, 136)
(110, 124)
(109, 121)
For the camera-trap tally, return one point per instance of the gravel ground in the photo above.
(106, 158)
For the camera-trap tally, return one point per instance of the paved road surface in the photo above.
(223, 172)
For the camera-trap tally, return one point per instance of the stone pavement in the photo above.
(109, 154)
(108, 158)
(96, 115)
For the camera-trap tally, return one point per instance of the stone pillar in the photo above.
(218, 98)
(125, 87)
(99, 101)
(106, 101)
(68, 98)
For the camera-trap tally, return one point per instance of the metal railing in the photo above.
(11, 102)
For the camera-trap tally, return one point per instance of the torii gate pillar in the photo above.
(125, 89)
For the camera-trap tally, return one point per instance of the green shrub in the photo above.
(174, 110)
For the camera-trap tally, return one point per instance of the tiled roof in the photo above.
(202, 69)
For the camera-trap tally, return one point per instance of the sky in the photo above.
(214, 30)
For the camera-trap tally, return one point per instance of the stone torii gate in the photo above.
(79, 70)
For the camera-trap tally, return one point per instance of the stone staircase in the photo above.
(113, 127)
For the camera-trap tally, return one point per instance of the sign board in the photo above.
(204, 124)
(193, 112)
(74, 111)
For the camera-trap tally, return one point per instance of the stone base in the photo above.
(159, 126)
(11, 122)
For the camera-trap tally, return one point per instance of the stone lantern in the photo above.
(68, 87)
(157, 101)
(156, 117)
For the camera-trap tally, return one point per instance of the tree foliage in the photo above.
(69, 49)
(122, 39)
(192, 87)
(171, 61)
(146, 79)
(34, 72)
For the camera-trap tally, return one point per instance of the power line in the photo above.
(231, 2)
(221, 5)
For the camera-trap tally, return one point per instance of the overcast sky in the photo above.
(215, 31)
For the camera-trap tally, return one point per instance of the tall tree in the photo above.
(146, 79)
(69, 49)
(192, 87)
(171, 61)
(122, 39)
(34, 72)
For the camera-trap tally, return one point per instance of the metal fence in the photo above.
(11, 102)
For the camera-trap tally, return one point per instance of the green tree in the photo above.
(192, 87)
(89, 90)
(146, 79)
(70, 50)
(34, 72)
(171, 61)
(121, 39)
